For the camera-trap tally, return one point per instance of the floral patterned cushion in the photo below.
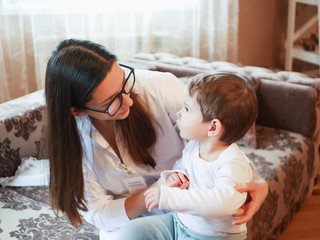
(21, 124)
(249, 139)
(289, 162)
(26, 214)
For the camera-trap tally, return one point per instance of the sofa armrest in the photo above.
(21, 131)
(287, 106)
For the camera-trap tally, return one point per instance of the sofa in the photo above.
(283, 145)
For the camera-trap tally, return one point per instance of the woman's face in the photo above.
(110, 86)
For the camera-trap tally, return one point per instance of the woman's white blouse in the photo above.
(105, 191)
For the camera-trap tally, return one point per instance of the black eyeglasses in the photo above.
(115, 104)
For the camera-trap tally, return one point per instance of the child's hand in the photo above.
(152, 198)
(177, 180)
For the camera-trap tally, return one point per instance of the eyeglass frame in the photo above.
(119, 95)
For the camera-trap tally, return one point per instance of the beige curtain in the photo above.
(29, 30)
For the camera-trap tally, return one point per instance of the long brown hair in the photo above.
(75, 68)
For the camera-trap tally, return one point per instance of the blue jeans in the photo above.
(148, 228)
(166, 227)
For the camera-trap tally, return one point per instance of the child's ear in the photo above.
(76, 112)
(215, 128)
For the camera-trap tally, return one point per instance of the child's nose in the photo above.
(179, 114)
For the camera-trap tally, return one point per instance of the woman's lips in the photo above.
(124, 112)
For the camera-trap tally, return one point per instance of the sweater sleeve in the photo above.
(220, 201)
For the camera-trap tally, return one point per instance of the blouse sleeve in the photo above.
(166, 86)
(104, 211)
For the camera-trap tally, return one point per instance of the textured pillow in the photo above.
(31, 172)
(21, 131)
(20, 137)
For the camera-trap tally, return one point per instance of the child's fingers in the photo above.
(171, 178)
(148, 206)
(184, 185)
(172, 184)
(183, 177)
(152, 196)
(174, 178)
(152, 206)
(149, 196)
(150, 203)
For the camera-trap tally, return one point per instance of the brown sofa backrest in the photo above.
(287, 100)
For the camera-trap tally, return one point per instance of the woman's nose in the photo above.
(126, 100)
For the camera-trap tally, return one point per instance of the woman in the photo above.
(111, 131)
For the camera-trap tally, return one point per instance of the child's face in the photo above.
(190, 120)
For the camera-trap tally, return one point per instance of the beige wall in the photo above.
(262, 32)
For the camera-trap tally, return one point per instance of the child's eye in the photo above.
(186, 109)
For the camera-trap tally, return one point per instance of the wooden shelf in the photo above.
(307, 56)
(293, 51)
(309, 2)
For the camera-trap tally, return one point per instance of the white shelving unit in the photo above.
(298, 52)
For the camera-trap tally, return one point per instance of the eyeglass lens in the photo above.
(130, 80)
(117, 102)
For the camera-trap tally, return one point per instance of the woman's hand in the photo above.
(258, 191)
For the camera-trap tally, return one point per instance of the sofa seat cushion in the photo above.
(288, 161)
(26, 214)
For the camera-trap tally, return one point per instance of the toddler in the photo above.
(218, 110)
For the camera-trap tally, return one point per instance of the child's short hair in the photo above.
(226, 97)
